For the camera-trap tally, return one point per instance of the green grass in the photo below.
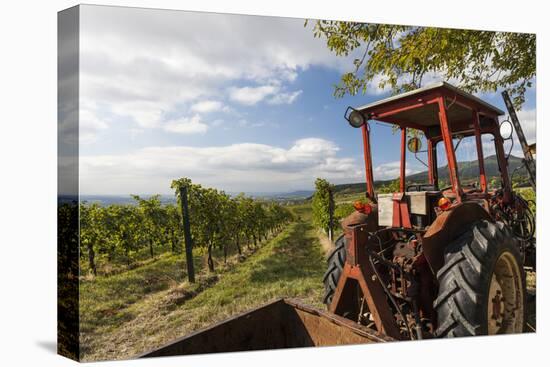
(302, 212)
(105, 300)
(147, 315)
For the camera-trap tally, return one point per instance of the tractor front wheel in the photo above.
(335, 262)
(482, 284)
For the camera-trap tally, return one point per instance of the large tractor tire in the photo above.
(335, 262)
(482, 284)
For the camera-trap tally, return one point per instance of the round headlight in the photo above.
(356, 119)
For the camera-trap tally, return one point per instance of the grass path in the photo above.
(290, 265)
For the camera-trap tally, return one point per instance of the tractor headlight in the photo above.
(355, 118)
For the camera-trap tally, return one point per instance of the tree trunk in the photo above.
(91, 258)
(151, 248)
(210, 261)
(127, 252)
(225, 253)
(255, 242)
(238, 245)
(173, 241)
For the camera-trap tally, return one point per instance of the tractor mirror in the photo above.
(506, 130)
(414, 144)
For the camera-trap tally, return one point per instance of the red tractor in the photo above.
(430, 261)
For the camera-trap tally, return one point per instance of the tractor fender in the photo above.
(357, 218)
(447, 226)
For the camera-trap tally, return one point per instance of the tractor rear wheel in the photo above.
(335, 262)
(482, 284)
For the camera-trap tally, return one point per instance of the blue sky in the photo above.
(234, 102)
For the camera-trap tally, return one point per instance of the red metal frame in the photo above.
(501, 157)
(387, 112)
(449, 149)
(359, 281)
(357, 270)
(432, 163)
(403, 166)
(404, 105)
(368, 162)
(479, 146)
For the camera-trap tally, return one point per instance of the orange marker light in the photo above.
(444, 203)
(362, 208)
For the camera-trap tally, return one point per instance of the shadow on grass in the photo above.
(293, 258)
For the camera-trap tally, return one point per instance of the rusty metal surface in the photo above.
(284, 323)
(479, 148)
(407, 280)
(449, 149)
(402, 168)
(325, 328)
(368, 162)
(415, 94)
(358, 272)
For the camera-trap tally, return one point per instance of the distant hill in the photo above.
(122, 199)
(105, 200)
(298, 194)
(467, 171)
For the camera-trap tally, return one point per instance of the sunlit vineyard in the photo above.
(117, 237)
(134, 279)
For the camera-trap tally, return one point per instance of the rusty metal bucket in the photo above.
(284, 323)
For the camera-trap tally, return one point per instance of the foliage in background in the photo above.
(342, 211)
(403, 57)
(323, 206)
(125, 234)
(529, 195)
(389, 188)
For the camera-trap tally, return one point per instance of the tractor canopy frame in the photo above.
(440, 111)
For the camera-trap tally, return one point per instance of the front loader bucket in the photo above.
(284, 323)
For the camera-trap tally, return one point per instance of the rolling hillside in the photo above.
(467, 171)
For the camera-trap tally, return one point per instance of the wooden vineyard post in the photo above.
(187, 234)
(330, 215)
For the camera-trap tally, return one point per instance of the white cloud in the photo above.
(144, 63)
(186, 125)
(236, 167)
(251, 95)
(246, 123)
(207, 106)
(271, 93)
(528, 121)
(147, 114)
(284, 98)
(90, 125)
(391, 170)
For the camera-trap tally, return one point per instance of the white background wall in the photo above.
(28, 182)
